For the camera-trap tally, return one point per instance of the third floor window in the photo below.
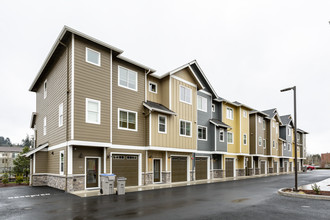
(201, 103)
(93, 57)
(185, 94)
(230, 113)
(127, 78)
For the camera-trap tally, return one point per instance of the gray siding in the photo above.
(203, 119)
(221, 146)
(283, 135)
(218, 111)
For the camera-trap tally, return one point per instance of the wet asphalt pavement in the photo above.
(243, 199)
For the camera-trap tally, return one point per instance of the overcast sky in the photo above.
(249, 50)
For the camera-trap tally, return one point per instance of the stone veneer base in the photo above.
(240, 172)
(166, 177)
(74, 183)
(218, 173)
(256, 171)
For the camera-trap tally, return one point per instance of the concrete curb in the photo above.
(303, 196)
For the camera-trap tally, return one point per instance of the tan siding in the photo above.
(154, 97)
(129, 100)
(79, 162)
(54, 161)
(41, 162)
(56, 94)
(143, 153)
(165, 91)
(93, 82)
(186, 75)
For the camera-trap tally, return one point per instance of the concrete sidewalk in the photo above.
(324, 185)
(96, 192)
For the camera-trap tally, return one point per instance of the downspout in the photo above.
(67, 112)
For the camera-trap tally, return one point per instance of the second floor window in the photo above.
(127, 78)
(264, 124)
(289, 132)
(260, 141)
(45, 126)
(201, 103)
(61, 162)
(161, 124)
(244, 139)
(221, 135)
(213, 108)
(93, 57)
(284, 146)
(127, 120)
(230, 113)
(202, 133)
(152, 87)
(185, 94)
(230, 137)
(60, 115)
(93, 111)
(185, 128)
(289, 147)
(273, 144)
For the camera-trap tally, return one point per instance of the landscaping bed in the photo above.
(310, 192)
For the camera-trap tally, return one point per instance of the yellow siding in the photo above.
(245, 130)
(232, 148)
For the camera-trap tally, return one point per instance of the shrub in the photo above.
(19, 179)
(316, 188)
(5, 179)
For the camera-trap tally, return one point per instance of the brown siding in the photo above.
(56, 75)
(41, 162)
(78, 163)
(253, 134)
(165, 91)
(93, 82)
(261, 133)
(54, 161)
(129, 100)
(154, 97)
(142, 152)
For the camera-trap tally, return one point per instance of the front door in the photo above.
(92, 172)
(156, 170)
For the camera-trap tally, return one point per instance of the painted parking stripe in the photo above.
(29, 196)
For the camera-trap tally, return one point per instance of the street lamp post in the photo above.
(295, 134)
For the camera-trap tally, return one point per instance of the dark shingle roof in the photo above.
(10, 149)
(219, 123)
(286, 119)
(154, 106)
(270, 112)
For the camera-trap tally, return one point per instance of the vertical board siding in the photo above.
(93, 82)
(253, 134)
(203, 119)
(130, 100)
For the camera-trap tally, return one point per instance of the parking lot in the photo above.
(244, 199)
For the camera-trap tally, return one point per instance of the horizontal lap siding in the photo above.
(54, 161)
(79, 162)
(154, 97)
(49, 107)
(41, 162)
(129, 100)
(93, 82)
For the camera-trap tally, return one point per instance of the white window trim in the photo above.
(227, 113)
(273, 144)
(289, 132)
(232, 137)
(99, 113)
(284, 146)
(265, 143)
(45, 88)
(201, 109)
(205, 133)
(213, 107)
(60, 123)
(153, 83)
(126, 87)
(245, 139)
(61, 172)
(136, 120)
(86, 52)
(223, 131)
(191, 129)
(45, 126)
(190, 91)
(244, 113)
(161, 132)
(260, 142)
(259, 119)
(263, 124)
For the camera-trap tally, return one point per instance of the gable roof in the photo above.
(187, 65)
(219, 123)
(302, 131)
(272, 113)
(258, 112)
(287, 120)
(60, 37)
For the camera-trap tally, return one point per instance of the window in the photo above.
(93, 111)
(298, 136)
(289, 147)
(244, 113)
(60, 115)
(127, 120)
(260, 141)
(222, 135)
(45, 89)
(45, 125)
(230, 137)
(230, 114)
(185, 128)
(264, 143)
(213, 108)
(244, 139)
(202, 133)
(264, 124)
(62, 162)
(127, 78)
(273, 124)
(289, 132)
(276, 128)
(185, 94)
(273, 144)
(162, 124)
(152, 87)
(259, 119)
(201, 103)
(93, 57)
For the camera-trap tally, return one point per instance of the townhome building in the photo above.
(287, 135)
(7, 156)
(236, 115)
(301, 147)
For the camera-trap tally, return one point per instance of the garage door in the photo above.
(263, 167)
(285, 166)
(126, 166)
(229, 167)
(179, 169)
(275, 167)
(201, 168)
